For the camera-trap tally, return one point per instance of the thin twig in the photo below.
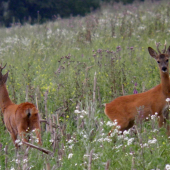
(38, 148)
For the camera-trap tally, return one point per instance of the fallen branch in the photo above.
(38, 148)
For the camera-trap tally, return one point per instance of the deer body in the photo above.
(124, 109)
(18, 119)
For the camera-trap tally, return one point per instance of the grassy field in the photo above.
(69, 68)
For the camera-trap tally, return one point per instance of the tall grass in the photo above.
(69, 68)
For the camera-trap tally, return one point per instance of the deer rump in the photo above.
(20, 119)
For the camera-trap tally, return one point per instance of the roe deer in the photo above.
(18, 119)
(124, 109)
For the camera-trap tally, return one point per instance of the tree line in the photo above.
(39, 11)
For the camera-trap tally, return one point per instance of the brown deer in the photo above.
(124, 109)
(19, 119)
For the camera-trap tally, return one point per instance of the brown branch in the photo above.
(45, 121)
(38, 148)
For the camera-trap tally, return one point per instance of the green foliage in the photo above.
(69, 68)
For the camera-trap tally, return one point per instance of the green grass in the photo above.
(59, 60)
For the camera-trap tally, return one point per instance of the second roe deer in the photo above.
(124, 109)
(19, 119)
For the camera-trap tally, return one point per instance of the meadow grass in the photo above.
(69, 68)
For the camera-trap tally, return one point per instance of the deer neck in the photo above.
(5, 101)
(165, 82)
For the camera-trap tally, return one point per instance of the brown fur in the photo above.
(124, 108)
(19, 119)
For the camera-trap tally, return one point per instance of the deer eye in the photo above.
(158, 62)
(167, 60)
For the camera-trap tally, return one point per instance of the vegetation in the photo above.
(17, 11)
(69, 68)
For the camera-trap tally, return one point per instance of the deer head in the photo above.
(3, 78)
(161, 58)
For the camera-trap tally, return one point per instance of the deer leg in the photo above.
(14, 138)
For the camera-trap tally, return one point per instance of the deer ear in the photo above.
(152, 52)
(168, 51)
(4, 77)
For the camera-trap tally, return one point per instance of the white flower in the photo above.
(70, 141)
(77, 111)
(167, 99)
(153, 116)
(167, 167)
(156, 113)
(51, 140)
(70, 155)
(17, 161)
(126, 132)
(81, 116)
(152, 141)
(109, 123)
(12, 168)
(129, 142)
(25, 160)
(17, 141)
(84, 112)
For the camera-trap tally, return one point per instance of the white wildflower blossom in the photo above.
(152, 141)
(153, 117)
(51, 140)
(84, 112)
(167, 167)
(25, 160)
(126, 132)
(77, 111)
(118, 127)
(167, 99)
(17, 161)
(156, 113)
(17, 141)
(71, 146)
(81, 116)
(107, 139)
(70, 155)
(12, 168)
(143, 145)
(70, 141)
(129, 142)
(109, 123)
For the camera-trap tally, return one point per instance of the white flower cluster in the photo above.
(70, 155)
(167, 167)
(82, 113)
(152, 141)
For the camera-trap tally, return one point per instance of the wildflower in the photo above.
(156, 113)
(167, 167)
(12, 168)
(152, 117)
(51, 140)
(126, 132)
(84, 112)
(70, 141)
(70, 155)
(17, 141)
(77, 111)
(167, 99)
(17, 161)
(25, 160)
(81, 116)
(152, 141)
(109, 123)
(129, 142)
